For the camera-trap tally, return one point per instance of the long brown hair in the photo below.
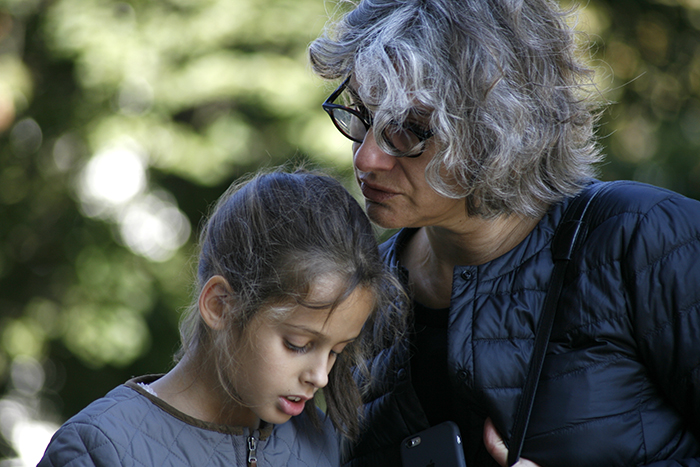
(273, 236)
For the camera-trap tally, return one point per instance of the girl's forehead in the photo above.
(326, 289)
(345, 320)
(321, 300)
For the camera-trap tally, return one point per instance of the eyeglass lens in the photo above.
(350, 124)
(399, 137)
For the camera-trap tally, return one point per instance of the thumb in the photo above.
(497, 448)
(494, 443)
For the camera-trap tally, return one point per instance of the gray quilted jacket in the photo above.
(129, 427)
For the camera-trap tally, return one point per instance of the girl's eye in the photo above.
(336, 353)
(296, 348)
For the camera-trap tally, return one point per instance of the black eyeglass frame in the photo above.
(329, 106)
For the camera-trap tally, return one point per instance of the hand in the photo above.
(497, 448)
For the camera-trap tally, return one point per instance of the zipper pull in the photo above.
(252, 447)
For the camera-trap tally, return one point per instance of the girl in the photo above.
(288, 284)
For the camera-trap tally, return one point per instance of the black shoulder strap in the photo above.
(570, 234)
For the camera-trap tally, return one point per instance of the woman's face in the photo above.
(287, 361)
(396, 191)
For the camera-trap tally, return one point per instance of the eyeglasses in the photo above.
(407, 140)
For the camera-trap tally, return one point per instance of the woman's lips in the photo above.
(375, 193)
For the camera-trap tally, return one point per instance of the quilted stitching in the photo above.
(631, 333)
(125, 428)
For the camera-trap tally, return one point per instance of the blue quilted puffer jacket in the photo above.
(621, 379)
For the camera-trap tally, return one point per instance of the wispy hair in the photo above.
(511, 101)
(273, 238)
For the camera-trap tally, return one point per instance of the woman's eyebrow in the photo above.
(416, 115)
(353, 93)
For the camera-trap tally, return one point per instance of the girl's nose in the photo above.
(317, 374)
(369, 157)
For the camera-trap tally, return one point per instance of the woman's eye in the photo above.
(364, 111)
(359, 107)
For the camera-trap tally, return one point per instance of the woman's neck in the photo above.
(479, 241)
(432, 253)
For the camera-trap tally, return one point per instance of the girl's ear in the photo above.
(214, 300)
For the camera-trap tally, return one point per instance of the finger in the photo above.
(494, 443)
(497, 448)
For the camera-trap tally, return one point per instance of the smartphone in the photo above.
(438, 446)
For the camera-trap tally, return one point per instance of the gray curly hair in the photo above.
(511, 101)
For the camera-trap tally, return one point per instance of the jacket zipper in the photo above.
(252, 447)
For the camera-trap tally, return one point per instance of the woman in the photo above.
(472, 127)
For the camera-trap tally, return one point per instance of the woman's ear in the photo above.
(214, 299)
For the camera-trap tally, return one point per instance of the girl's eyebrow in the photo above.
(316, 333)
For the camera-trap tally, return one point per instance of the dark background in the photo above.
(121, 122)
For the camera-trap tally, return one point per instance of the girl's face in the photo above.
(289, 360)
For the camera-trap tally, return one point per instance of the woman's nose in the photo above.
(369, 157)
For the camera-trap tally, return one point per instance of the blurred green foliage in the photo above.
(177, 98)
(647, 54)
